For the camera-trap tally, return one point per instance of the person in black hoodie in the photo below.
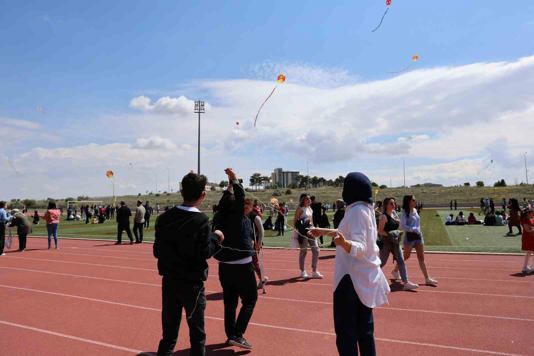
(123, 223)
(183, 243)
(236, 271)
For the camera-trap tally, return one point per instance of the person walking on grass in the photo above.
(411, 224)
(527, 239)
(139, 222)
(123, 223)
(388, 230)
(4, 219)
(280, 219)
(515, 216)
(304, 216)
(316, 214)
(236, 271)
(183, 242)
(338, 216)
(23, 227)
(359, 283)
(148, 213)
(52, 216)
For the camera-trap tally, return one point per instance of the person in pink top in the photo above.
(52, 216)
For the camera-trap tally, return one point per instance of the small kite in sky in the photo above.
(109, 174)
(388, 3)
(12, 166)
(415, 57)
(281, 79)
(40, 108)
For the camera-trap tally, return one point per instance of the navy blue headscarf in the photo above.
(357, 187)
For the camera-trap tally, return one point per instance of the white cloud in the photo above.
(302, 74)
(154, 143)
(458, 118)
(164, 105)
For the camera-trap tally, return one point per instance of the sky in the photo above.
(91, 86)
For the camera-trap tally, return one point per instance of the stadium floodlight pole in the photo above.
(199, 109)
(526, 169)
(404, 173)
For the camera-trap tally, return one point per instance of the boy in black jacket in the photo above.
(236, 271)
(183, 243)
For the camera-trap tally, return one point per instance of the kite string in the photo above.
(261, 106)
(382, 19)
(402, 70)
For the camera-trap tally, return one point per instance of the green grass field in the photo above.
(438, 237)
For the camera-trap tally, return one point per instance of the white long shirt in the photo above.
(362, 263)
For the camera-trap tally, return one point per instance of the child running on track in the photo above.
(527, 239)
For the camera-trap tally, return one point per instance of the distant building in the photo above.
(284, 178)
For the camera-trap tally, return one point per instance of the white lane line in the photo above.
(105, 256)
(317, 284)
(83, 276)
(277, 299)
(258, 324)
(86, 263)
(71, 337)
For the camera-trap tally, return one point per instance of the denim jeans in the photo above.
(52, 230)
(394, 248)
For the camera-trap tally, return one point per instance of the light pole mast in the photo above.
(199, 109)
(526, 169)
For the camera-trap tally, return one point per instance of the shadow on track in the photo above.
(214, 349)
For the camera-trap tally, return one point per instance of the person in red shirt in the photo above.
(527, 239)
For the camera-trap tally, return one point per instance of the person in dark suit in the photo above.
(316, 213)
(123, 223)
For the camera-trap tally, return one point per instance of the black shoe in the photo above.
(240, 342)
(131, 242)
(117, 243)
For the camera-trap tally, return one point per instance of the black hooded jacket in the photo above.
(236, 227)
(183, 243)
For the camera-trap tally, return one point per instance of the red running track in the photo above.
(94, 298)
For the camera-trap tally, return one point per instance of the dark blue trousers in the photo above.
(353, 321)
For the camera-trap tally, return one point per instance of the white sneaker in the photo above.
(317, 275)
(3, 254)
(409, 285)
(528, 270)
(431, 281)
(395, 274)
(303, 274)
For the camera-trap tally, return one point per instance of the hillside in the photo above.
(430, 196)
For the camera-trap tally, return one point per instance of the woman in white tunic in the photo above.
(359, 284)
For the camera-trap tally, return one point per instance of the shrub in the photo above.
(383, 186)
(467, 184)
(480, 183)
(277, 193)
(500, 183)
(30, 203)
(288, 192)
(374, 184)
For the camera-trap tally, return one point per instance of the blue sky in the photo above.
(83, 63)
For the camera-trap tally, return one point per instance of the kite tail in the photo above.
(261, 106)
(382, 19)
(402, 70)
